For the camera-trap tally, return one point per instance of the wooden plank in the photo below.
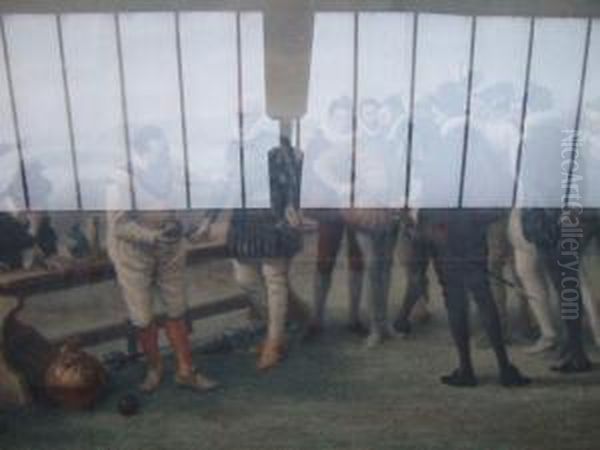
(25, 283)
(123, 330)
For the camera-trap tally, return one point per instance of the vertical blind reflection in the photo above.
(440, 100)
(11, 188)
(152, 97)
(260, 132)
(383, 95)
(589, 136)
(33, 49)
(208, 46)
(327, 127)
(362, 73)
(90, 44)
(494, 124)
(556, 64)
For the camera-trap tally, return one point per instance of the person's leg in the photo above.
(356, 272)
(148, 340)
(455, 299)
(134, 275)
(527, 323)
(171, 284)
(590, 304)
(406, 252)
(420, 314)
(246, 274)
(478, 284)
(376, 330)
(531, 275)
(275, 273)
(330, 233)
(436, 227)
(563, 268)
(592, 309)
(377, 248)
(385, 248)
(498, 257)
(416, 272)
(530, 270)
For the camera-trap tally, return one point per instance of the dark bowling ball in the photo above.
(129, 405)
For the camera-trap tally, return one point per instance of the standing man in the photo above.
(263, 243)
(558, 236)
(457, 239)
(148, 253)
(331, 145)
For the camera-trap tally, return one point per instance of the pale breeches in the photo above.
(532, 275)
(143, 271)
(266, 275)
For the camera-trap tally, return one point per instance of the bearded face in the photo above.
(370, 119)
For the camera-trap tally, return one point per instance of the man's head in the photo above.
(150, 147)
(369, 114)
(339, 115)
(539, 99)
(498, 100)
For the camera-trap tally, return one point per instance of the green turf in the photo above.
(333, 394)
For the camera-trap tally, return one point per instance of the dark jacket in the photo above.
(14, 238)
(262, 233)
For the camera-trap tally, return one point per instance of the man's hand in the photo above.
(293, 217)
(198, 233)
(170, 233)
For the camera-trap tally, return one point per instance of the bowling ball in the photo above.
(128, 405)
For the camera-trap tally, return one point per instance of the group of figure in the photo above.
(467, 247)
(147, 249)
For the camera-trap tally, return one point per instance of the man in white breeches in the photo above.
(263, 243)
(266, 277)
(148, 254)
(532, 275)
(142, 264)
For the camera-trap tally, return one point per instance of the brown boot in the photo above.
(186, 376)
(148, 339)
(272, 353)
